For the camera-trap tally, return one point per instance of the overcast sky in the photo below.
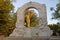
(49, 3)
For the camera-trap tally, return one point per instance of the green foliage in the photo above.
(6, 6)
(7, 23)
(55, 28)
(34, 21)
(56, 14)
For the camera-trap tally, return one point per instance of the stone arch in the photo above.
(41, 30)
(40, 7)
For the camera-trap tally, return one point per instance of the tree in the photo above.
(34, 21)
(58, 28)
(6, 21)
(56, 14)
(54, 27)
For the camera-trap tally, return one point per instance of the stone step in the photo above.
(25, 38)
(33, 38)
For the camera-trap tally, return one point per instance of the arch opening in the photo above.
(31, 17)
